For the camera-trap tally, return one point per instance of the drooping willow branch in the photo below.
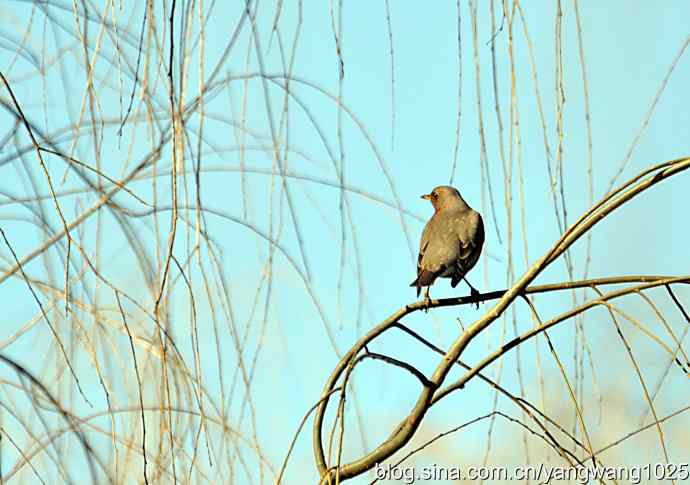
(428, 394)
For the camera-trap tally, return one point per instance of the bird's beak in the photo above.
(426, 196)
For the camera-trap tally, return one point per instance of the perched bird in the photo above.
(451, 242)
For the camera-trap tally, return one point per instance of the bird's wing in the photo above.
(470, 232)
(471, 238)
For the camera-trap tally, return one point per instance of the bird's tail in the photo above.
(425, 278)
(419, 287)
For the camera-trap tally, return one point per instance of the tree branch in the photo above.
(409, 424)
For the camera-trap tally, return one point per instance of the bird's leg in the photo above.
(473, 292)
(427, 300)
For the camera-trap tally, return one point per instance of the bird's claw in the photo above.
(427, 304)
(427, 300)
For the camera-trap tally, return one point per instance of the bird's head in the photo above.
(444, 197)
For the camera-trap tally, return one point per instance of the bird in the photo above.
(451, 242)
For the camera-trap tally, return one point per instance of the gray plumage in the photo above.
(451, 242)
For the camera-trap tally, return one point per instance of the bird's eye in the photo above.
(434, 195)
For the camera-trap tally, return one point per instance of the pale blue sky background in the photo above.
(629, 48)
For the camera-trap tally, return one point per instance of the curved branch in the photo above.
(393, 321)
(398, 363)
(404, 432)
